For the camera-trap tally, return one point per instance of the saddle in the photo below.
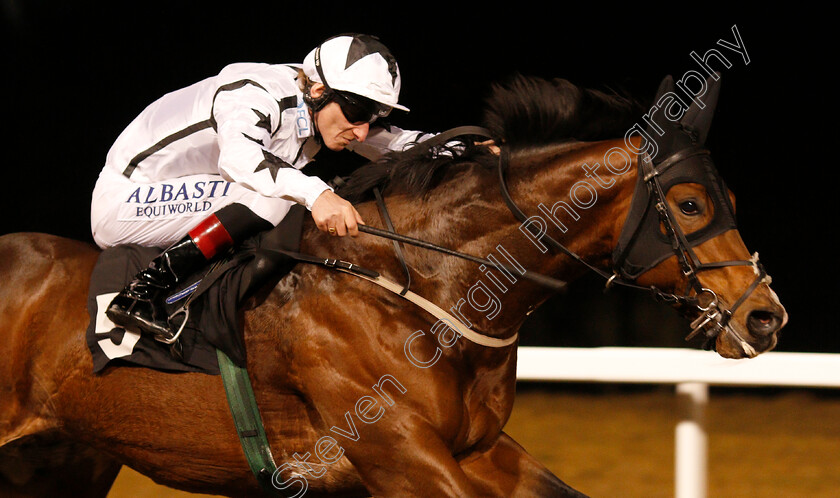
(209, 303)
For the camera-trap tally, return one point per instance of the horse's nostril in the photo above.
(763, 322)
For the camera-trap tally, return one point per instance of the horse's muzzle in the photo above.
(755, 334)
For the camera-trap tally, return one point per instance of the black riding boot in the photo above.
(140, 307)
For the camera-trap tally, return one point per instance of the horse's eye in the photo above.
(690, 207)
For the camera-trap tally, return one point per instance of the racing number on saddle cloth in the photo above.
(104, 327)
(108, 344)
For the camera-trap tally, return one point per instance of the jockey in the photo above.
(205, 167)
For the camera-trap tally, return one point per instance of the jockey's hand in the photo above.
(331, 211)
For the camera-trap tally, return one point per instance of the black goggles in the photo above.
(358, 109)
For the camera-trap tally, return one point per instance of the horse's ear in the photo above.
(666, 86)
(700, 120)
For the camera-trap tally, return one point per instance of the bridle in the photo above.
(713, 318)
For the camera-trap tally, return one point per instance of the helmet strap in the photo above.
(316, 104)
(312, 111)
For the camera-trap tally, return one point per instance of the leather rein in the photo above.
(713, 319)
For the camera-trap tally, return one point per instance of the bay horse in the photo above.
(360, 394)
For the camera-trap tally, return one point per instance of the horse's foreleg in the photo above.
(409, 463)
(507, 470)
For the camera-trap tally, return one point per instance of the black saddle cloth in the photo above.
(215, 300)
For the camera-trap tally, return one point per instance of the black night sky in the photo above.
(76, 73)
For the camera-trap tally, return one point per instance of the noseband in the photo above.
(652, 210)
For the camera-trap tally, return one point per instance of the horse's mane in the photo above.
(527, 112)
(520, 113)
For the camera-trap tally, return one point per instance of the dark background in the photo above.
(75, 74)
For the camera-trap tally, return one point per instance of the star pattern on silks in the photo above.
(272, 163)
(255, 140)
(364, 45)
(264, 122)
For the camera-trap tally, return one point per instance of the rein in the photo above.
(421, 148)
(713, 318)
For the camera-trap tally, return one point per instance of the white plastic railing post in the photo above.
(691, 442)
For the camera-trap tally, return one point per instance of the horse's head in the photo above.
(682, 222)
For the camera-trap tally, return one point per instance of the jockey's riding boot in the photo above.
(140, 307)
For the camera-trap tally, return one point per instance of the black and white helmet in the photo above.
(358, 65)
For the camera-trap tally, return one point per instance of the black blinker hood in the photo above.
(642, 243)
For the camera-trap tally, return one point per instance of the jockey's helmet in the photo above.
(359, 72)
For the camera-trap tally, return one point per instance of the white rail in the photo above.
(692, 371)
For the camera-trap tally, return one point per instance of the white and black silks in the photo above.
(240, 136)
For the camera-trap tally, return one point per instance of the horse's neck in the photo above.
(581, 200)
(467, 213)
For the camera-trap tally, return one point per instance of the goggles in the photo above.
(358, 109)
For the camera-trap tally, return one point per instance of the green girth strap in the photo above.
(246, 417)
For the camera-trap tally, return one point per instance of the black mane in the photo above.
(527, 112)
(523, 112)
